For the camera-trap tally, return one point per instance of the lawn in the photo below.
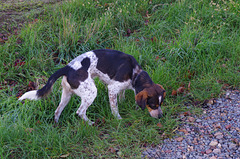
(191, 47)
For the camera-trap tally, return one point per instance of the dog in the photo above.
(119, 71)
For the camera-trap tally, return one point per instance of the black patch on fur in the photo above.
(116, 64)
(74, 77)
(141, 81)
(47, 88)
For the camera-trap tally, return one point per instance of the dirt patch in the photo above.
(14, 14)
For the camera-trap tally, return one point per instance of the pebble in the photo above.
(216, 151)
(232, 146)
(179, 139)
(208, 151)
(213, 143)
(214, 134)
(219, 136)
(198, 120)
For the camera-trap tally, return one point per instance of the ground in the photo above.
(15, 13)
(193, 54)
(214, 134)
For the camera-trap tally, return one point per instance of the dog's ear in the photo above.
(141, 99)
(164, 92)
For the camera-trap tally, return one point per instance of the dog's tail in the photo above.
(37, 94)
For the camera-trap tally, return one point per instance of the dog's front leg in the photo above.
(112, 93)
(121, 95)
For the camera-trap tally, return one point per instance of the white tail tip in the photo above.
(32, 95)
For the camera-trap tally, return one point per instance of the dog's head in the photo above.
(152, 98)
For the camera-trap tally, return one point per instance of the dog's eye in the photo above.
(152, 105)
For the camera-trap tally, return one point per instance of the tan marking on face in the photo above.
(141, 99)
(149, 109)
(160, 86)
(164, 94)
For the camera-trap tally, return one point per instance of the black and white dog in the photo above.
(118, 70)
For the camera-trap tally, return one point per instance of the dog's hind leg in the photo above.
(88, 92)
(66, 96)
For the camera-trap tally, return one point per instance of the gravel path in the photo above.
(214, 135)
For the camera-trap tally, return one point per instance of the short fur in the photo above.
(119, 71)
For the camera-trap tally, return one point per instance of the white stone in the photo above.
(216, 151)
(213, 143)
(232, 146)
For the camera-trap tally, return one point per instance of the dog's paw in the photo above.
(90, 123)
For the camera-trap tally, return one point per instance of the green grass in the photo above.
(176, 42)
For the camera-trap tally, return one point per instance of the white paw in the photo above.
(90, 123)
(119, 117)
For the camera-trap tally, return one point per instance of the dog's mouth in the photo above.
(155, 113)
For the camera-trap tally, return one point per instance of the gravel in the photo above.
(215, 134)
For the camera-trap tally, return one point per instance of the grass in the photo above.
(177, 42)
